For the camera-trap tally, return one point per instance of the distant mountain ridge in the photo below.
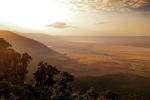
(136, 41)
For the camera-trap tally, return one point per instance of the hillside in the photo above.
(40, 52)
(122, 84)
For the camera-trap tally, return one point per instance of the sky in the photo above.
(77, 17)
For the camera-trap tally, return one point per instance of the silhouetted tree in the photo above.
(13, 65)
(13, 69)
(91, 94)
(4, 44)
(110, 96)
(45, 74)
(54, 82)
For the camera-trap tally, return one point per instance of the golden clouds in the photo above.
(106, 5)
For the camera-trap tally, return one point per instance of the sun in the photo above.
(32, 13)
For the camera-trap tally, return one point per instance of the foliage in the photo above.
(13, 65)
(49, 82)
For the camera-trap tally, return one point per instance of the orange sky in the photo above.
(77, 17)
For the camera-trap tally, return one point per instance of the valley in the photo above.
(105, 55)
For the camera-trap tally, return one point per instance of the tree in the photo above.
(56, 84)
(13, 65)
(44, 76)
(109, 95)
(13, 69)
(91, 94)
(4, 44)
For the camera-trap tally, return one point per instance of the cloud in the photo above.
(145, 8)
(106, 5)
(59, 25)
(100, 23)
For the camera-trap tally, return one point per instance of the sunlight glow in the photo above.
(76, 17)
(32, 13)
